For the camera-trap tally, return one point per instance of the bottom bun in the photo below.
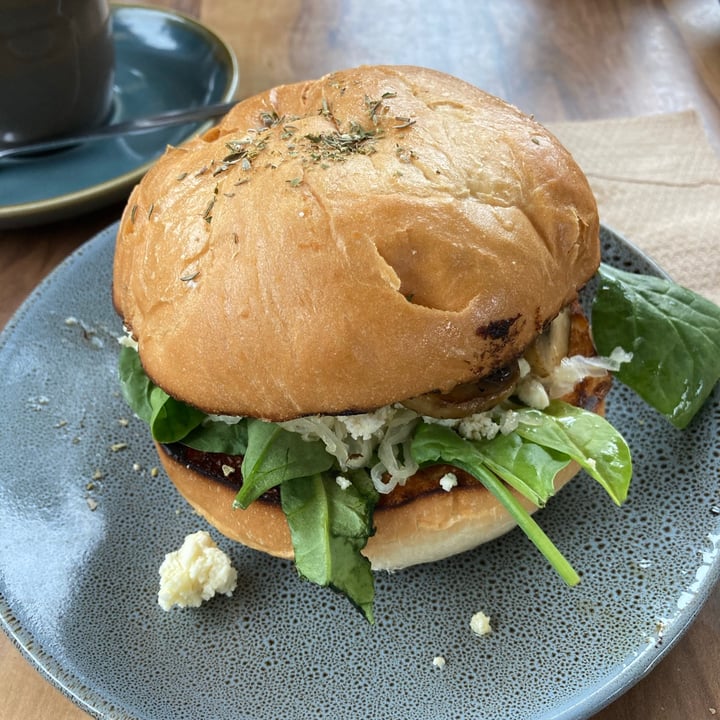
(422, 523)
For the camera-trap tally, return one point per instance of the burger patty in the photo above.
(215, 466)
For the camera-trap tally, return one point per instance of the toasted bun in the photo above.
(342, 244)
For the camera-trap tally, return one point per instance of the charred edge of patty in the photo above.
(214, 466)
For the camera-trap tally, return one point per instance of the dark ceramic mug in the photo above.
(56, 68)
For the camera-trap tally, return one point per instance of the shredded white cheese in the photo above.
(487, 425)
(195, 573)
(386, 433)
(227, 419)
(365, 425)
(354, 439)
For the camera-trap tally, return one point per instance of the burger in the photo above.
(353, 326)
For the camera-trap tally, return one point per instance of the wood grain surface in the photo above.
(556, 59)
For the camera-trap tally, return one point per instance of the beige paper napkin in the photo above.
(657, 183)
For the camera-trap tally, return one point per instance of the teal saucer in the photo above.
(164, 61)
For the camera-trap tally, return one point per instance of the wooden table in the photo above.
(560, 60)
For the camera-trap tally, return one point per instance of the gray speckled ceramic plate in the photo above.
(164, 61)
(78, 585)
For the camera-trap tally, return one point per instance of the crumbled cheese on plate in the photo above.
(480, 623)
(195, 573)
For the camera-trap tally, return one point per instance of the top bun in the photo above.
(338, 245)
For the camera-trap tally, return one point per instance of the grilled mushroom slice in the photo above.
(468, 398)
(549, 348)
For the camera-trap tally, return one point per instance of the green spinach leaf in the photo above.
(135, 384)
(171, 420)
(673, 333)
(585, 437)
(524, 465)
(274, 456)
(329, 527)
(219, 437)
(435, 443)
